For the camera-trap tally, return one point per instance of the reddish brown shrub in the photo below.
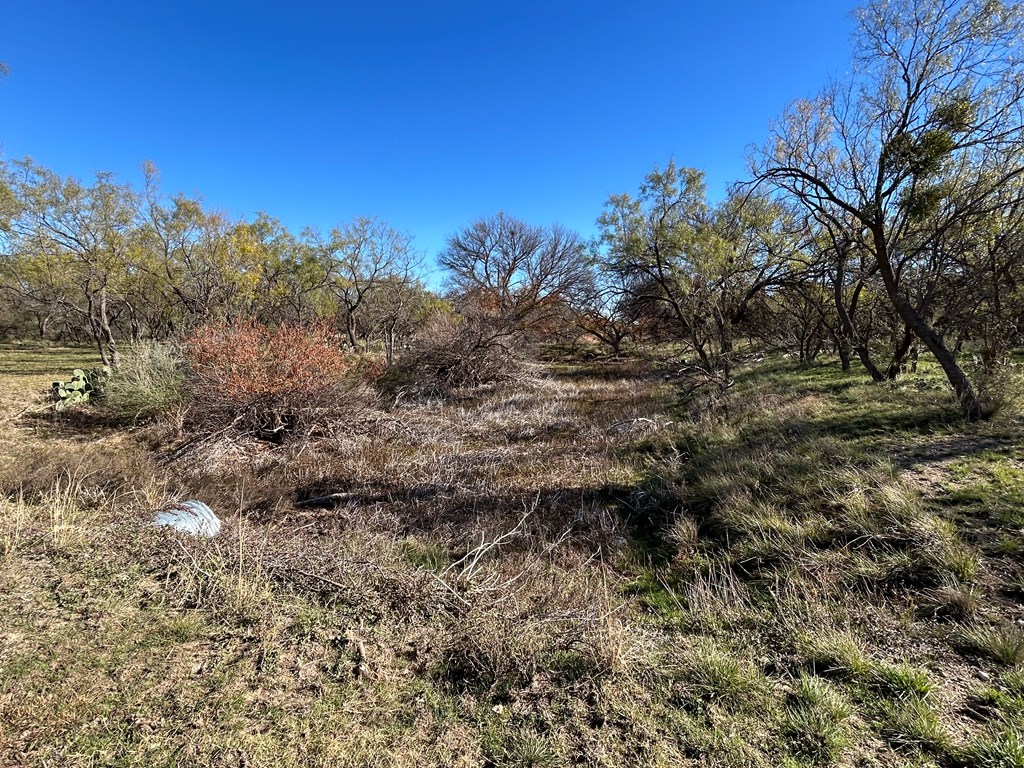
(372, 367)
(270, 381)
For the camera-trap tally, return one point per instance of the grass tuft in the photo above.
(913, 723)
(998, 747)
(14, 519)
(952, 600)
(710, 674)
(815, 725)
(831, 651)
(525, 749)
(1004, 644)
(900, 680)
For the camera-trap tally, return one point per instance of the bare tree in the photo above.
(512, 276)
(600, 306)
(394, 311)
(362, 257)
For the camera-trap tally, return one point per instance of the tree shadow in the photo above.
(608, 370)
(600, 518)
(951, 447)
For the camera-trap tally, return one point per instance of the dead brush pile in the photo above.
(451, 352)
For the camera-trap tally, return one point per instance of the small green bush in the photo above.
(149, 381)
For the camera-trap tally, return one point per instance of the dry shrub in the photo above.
(106, 469)
(521, 619)
(270, 381)
(371, 367)
(451, 352)
(149, 381)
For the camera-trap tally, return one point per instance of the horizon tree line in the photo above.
(882, 218)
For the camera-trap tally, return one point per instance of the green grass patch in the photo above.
(816, 722)
(914, 723)
(1004, 644)
(998, 747)
(26, 360)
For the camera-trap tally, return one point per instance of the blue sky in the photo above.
(426, 114)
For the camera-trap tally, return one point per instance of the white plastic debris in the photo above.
(192, 517)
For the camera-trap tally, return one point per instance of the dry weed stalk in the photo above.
(62, 501)
(468, 569)
(15, 515)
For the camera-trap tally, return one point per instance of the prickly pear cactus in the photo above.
(84, 385)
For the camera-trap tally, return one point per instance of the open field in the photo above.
(577, 569)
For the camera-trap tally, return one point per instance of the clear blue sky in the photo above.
(426, 114)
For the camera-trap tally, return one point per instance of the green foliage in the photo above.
(990, 484)
(922, 202)
(83, 386)
(956, 115)
(1014, 681)
(1000, 384)
(921, 155)
(1002, 702)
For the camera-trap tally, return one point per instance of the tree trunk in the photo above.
(108, 335)
(899, 355)
(389, 346)
(615, 342)
(350, 331)
(725, 343)
(843, 348)
(970, 405)
(847, 328)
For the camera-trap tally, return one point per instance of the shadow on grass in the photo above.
(865, 424)
(609, 370)
(591, 519)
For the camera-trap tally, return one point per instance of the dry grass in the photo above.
(564, 571)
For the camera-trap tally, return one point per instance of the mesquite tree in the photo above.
(513, 277)
(923, 138)
(701, 266)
